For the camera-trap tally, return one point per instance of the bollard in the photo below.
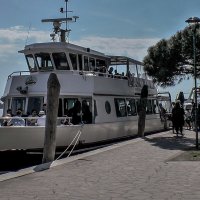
(142, 111)
(53, 91)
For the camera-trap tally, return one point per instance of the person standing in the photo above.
(86, 113)
(42, 118)
(188, 118)
(75, 113)
(173, 104)
(178, 118)
(32, 121)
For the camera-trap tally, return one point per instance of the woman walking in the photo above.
(178, 118)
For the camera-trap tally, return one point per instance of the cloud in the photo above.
(20, 33)
(134, 48)
(15, 38)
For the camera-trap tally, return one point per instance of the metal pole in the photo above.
(66, 1)
(195, 85)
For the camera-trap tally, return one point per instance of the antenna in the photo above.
(29, 28)
(57, 24)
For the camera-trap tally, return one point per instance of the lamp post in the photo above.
(193, 22)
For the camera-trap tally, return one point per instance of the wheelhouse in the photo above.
(57, 56)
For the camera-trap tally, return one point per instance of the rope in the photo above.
(77, 136)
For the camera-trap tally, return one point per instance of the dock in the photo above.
(138, 169)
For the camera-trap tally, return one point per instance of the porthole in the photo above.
(107, 107)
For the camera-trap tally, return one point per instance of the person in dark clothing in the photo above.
(173, 104)
(75, 113)
(87, 115)
(178, 118)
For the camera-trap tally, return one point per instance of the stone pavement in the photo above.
(138, 169)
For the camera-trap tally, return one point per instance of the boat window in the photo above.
(138, 105)
(133, 70)
(73, 61)
(60, 113)
(60, 61)
(131, 107)
(18, 103)
(155, 106)
(31, 63)
(101, 66)
(120, 70)
(149, 108)
(68, 104)
(108, 107)
(34, 103)
(141, 73)
(92, 64)
(9, 101)
(100, 63)
(120, 106)
(80, 62)
(86, 64)
(44, 61)
(95, 109)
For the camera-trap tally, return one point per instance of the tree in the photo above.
(170, 61)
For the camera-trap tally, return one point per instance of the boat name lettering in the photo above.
(31, 80)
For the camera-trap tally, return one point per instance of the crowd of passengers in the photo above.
(76, 115)
(111, 73)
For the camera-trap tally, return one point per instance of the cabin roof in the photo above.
(118, 60)
(60, 45)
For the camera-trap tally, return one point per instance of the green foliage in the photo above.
(170, 61)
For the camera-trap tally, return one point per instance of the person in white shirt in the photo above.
(42, 119)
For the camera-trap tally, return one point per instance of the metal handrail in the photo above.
(7, 118)
(18, 73)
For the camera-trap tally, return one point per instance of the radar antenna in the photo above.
(62, 33)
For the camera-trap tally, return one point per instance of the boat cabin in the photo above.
(84, 75)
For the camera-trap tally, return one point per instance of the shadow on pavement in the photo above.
(172, 142)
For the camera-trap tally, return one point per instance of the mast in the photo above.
(57, 30)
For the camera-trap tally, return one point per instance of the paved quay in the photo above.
(138, 169)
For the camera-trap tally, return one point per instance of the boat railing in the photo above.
(31, 121)
(135, 81)
(97, 73)
(19, 73)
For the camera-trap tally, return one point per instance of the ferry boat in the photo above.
(85, 76)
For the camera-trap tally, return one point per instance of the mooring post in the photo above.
(53, 91)
(142, 111)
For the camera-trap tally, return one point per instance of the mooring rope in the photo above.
(77, 136)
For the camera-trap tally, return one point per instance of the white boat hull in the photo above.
(32, 137)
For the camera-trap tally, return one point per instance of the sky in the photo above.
(114, 27)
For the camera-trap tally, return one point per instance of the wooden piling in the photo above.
(142, 111)
(53, 91)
